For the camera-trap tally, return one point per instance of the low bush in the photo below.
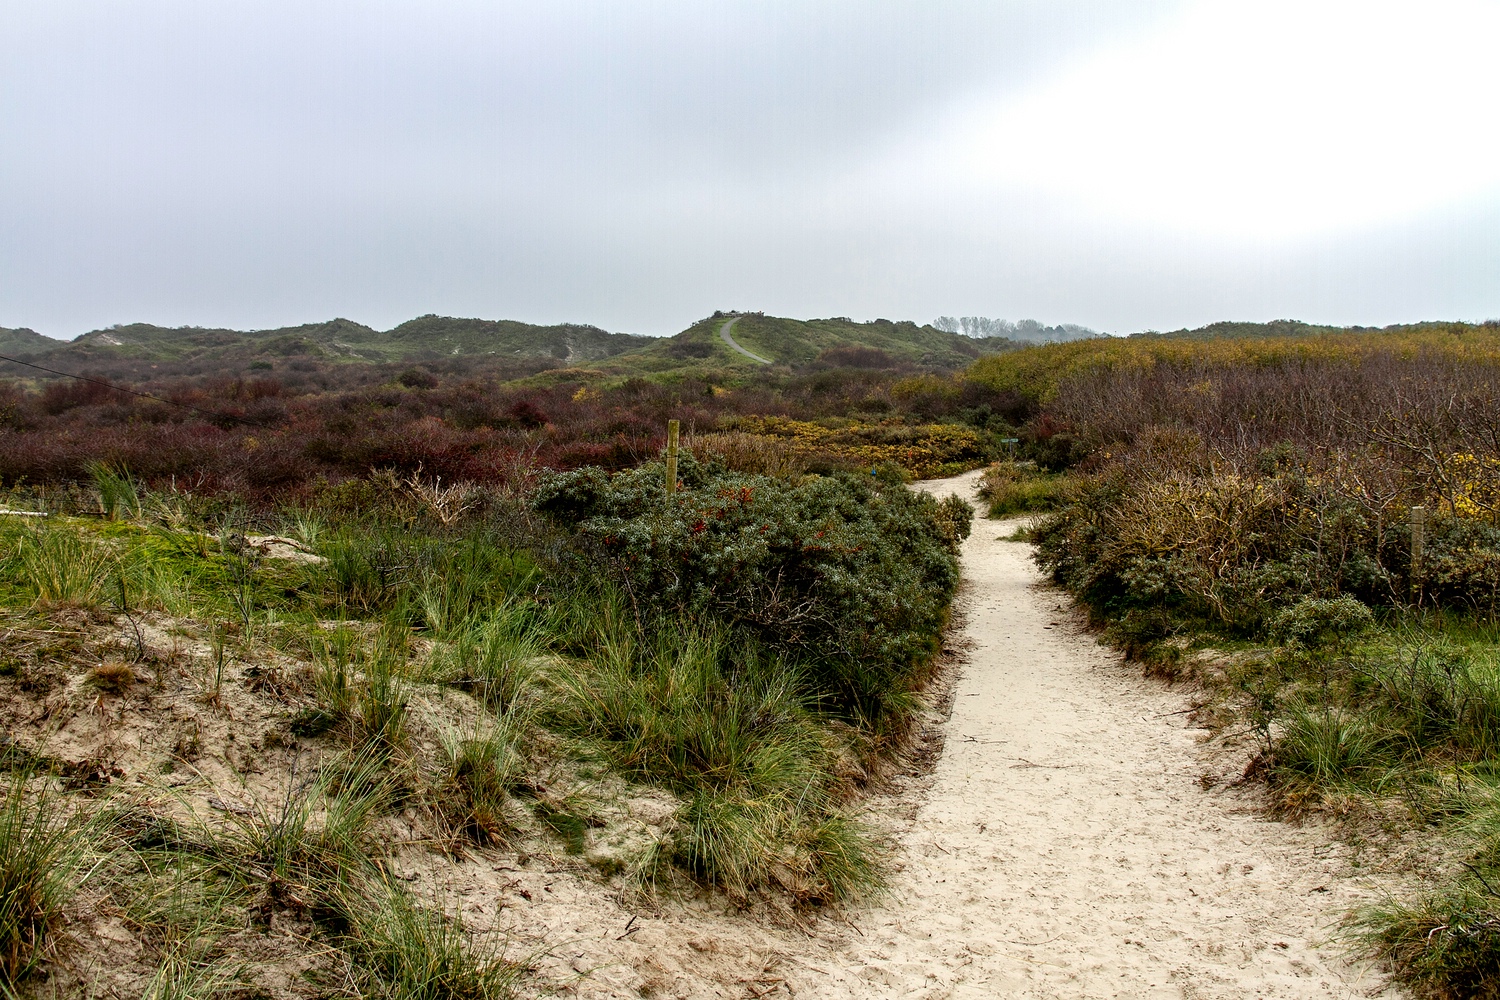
(1316, 622)
(851, 575)
(1226, 548)
(925, 451)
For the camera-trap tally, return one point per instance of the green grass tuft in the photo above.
(43, 854)
(1010, 489)
(407, 952)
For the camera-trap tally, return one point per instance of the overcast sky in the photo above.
(1124, 165)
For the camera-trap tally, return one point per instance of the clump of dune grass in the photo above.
(65, 567)
(44, 852)
(727, 726)
(112, 677)
(492, 656)
(300, 850)
(184, 975)
(481, 771)
(380, 708)
(1327, 747)
(118, 493)
(404, 951)
(1444, 945)
(1011, 488)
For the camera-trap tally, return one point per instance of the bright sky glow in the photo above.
(1269, 119)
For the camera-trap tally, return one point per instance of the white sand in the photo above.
(1062, 847)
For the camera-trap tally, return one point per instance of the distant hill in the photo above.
(427, 337)
(797, 343)
(24, 341)
(1275, 328)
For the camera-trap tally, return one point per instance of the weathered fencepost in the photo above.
(1418, 542)
(672, 426)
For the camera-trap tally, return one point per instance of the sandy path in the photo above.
(1062, 847)
(1065, 848)
(734, 344)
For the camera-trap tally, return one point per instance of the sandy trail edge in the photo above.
(1065, 848)
(1062, 847)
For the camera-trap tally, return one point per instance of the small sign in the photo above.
(1010, 440)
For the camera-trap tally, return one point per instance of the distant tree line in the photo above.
(1025, 329)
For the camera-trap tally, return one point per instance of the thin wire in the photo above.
(135, 392)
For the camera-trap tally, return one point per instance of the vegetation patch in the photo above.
(924, 451)
(258, 718)
(1306, 525)
(1011, 488)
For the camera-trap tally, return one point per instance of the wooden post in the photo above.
(672, 426)
(1418, 541)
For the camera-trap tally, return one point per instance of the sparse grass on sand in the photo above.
(248, 740)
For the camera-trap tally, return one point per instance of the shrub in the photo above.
(924, 450)
(416, 378)
(850, 573)
(1224, 547)
(1314, 622)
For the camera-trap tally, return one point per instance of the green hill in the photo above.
(427, 337)
(795, 343)
(569, 342)
(24, 341)
(786, 343)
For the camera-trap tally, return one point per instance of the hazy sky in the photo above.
(1124, 165)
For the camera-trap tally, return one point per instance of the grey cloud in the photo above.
(632, 165)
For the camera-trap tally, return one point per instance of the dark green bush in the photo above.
(849, 574)
(1461, 565)
(1314, 622)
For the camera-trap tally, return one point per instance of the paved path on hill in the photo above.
(724, 335)
(1066, 848)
